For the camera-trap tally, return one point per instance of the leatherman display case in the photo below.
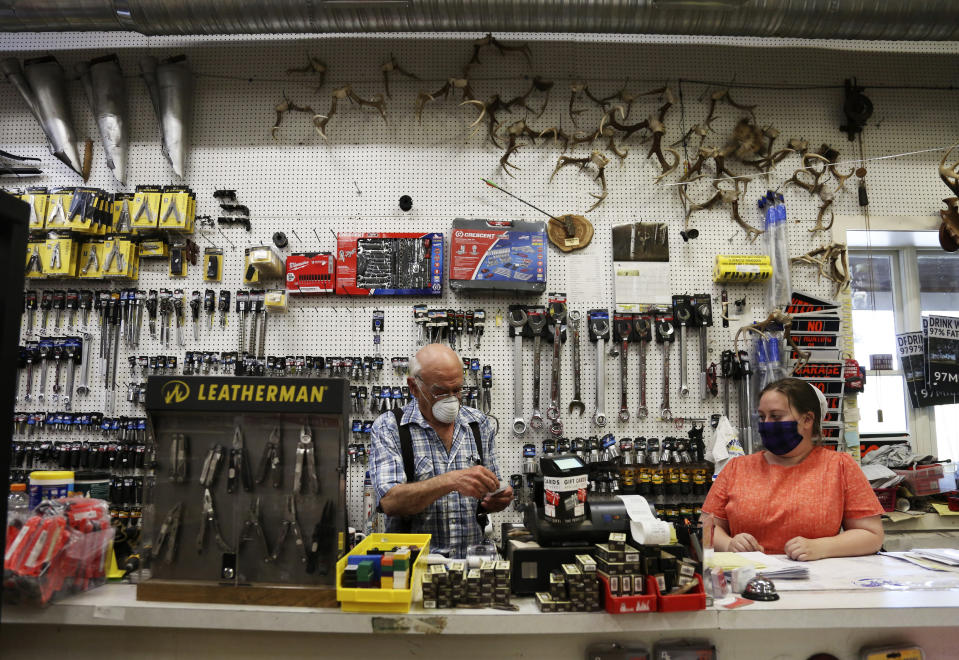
(248, 499)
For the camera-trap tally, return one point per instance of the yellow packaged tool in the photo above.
(212, 264)
(177, 209)
(58, 203)
(146, 207)
(83, 210)
(122, 210)
(250, 274)
(37, 199)
(120, 257)
(34, 265)
(60, 255)
(275, 300)
(152, 248)
(265, 260)
(742, 269)
(91, 256)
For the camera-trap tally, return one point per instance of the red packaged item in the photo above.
(61, 549)
(310, 272)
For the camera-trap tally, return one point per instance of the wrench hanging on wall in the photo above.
(577, 401)
(665, 335)
(703, 318)
(623, 330)
(643, 331)
(517, 321)
(682, 316)
(557, 315)
(537, 323)
(599, 334)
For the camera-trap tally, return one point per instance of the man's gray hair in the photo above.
(415, 367)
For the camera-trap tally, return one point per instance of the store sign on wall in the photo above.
(215, 394)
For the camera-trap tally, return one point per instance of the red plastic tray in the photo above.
(628, 604)
(694, 600)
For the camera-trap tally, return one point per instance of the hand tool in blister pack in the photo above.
(272, 460)
(85, 304)
(665, 335)
(379, 316)
(253, 527)
(242, 307)
(305, 464)
(223, 306)
(178, 314)
(32, 357)
(517, 321)
(643, 332)
(195, 313)
(59, 304)
(745, 409)
(83, 388)
(599, 334)
(622, 331)
(451, 333)
(35, 263)
(210, 520)
(209, 305)
(114, 342)
(179, 458)
(530, 469)
(487, 404)
(460, 328)
(577, 401)
(420, 319)
(255, 307)
(479, 325)
(165, 307)
(72, 303)
(703, 319)
(72, 349)
(152, 305)
(238, 472)
(683, 316)
(290, 523)
(30, 305)
(168, 536)
(726, 371)
(212, 465)
(56, 356)
(264, 315)
(45, 352)
(46, 302)
(536, 322)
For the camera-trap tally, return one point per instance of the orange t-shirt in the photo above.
(775, 503)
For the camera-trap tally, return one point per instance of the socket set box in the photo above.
(310, 272)
(497, 255)
(389, 264)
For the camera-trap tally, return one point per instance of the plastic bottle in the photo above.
(18, 510)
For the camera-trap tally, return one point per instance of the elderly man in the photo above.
(432, 463)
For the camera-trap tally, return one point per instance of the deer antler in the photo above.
(287, 106)
(313, 65)
(392, 66)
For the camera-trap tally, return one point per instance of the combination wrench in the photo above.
(577, 402)
(665, 334)
(83, 388)
(644, 335)
(517, 320)
(599, 328)
(557, 312)
(682, 315)
(536, 324)
(624, 328)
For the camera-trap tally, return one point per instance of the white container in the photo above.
(49, 485)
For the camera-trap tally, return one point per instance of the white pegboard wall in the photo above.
(308, 188)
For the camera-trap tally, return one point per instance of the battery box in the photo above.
(389, 264)
(498, 255)
(310, 272)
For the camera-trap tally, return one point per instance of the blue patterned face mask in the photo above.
(780, 437)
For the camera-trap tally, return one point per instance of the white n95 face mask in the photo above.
(446, 409)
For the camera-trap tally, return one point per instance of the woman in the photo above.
(795, 497)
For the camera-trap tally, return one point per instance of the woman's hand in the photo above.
(802, 549)
(744, 543)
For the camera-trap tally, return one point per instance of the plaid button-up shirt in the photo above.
(452, 518)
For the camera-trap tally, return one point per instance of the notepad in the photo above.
(732, 560)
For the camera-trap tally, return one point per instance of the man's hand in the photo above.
(476, 481)
(802, 549)
(498, 501)
(744, 543)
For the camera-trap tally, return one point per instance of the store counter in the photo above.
(838, 620)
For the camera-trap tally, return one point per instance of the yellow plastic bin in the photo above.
(383, 600)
